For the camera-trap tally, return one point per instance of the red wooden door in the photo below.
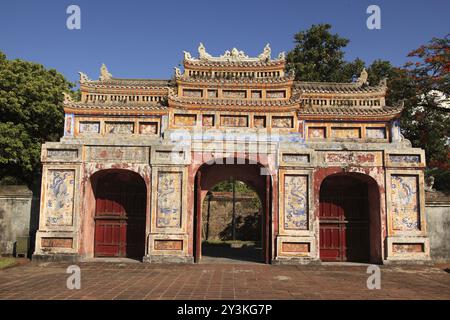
(344, 220)
(120, 217)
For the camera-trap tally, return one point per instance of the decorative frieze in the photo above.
(376, 133)
(57, 243)
(355, 158)
(119, 127)
(168, 245)
(405, 158)
(148, 128)
(89, 127)
(62, 153)
(234, 121)
(109, 153)
(185, 120)
(345, 133)
(282, 122)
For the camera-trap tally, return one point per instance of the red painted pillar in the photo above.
(267, 222)
(198, 218)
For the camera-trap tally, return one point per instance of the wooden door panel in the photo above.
(343, 220)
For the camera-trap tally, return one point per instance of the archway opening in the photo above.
(120, 206)
(252, 231)
(232, 222)
(349, 219)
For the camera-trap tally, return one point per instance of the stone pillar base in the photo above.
(168, 259)
(56, 257)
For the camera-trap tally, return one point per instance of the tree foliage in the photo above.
(31, 113)
(318, 56)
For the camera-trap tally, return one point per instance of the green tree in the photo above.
(31, 112)
(318, 56)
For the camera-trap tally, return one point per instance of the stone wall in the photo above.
(438, 222)
(16, 219)
(248, 215)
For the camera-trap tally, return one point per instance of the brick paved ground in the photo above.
(222, 281)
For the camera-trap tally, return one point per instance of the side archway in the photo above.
(120, 213)
(349, 218)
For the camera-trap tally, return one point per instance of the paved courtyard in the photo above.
(105, 280)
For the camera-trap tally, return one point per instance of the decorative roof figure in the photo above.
(83, 77)
(104, 73)
(177, 72)
(362, 77)
(265, 55)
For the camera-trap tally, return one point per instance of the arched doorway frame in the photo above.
(267, 192)
(87, 208)
(377, 212)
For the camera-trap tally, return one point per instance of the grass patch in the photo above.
(6, 262)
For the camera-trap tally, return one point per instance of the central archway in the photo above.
(254, 175)
(120, 205)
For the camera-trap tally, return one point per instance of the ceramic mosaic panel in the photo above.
(256, 95)
(208, 120)
(119, 127)
(234, 121)
(118, 153)
(168, 214)
(57, 242)
(282, 122)
(408, 158)
(259, 122)
(59, 197)
(295, 247)
(212, 93)
(168, 245)
(346, 133)
(408, 247)
(294, 157)
(376, 133)
(62, 153)
(148, 128)
(316, 132)
(68, 124)
(405, 202)
(185, 119)
(89, 127)
(276, 94)
(296, 202)
(240, 94)
(192, 93)
(358, 158)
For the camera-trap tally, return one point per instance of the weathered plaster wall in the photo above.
(15, 216)
(438, 222)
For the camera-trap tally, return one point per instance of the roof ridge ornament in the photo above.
(362, 79)
(104, 73)
(83, 77)
(233, 55)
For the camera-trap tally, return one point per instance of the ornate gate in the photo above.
(344, 220)
(120, 215)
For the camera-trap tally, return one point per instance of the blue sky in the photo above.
(145, 39)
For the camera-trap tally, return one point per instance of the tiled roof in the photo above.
(115, 107)
(331, 87)
(221, 80)
(250, 104)
(346, 111)
(129, 83)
